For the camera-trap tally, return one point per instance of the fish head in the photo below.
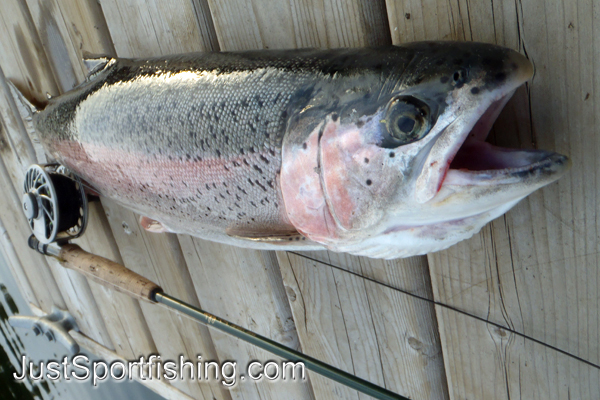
(406, 170)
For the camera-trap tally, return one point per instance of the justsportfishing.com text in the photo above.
(229, 373)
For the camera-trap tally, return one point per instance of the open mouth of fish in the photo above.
(478, 162)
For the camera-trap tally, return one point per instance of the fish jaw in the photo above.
(427, 195)
(472, 110)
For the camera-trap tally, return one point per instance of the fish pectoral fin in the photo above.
(271, 237)
(152, 225)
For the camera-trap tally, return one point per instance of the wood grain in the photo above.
(244, 286)
(159, 258)
(129, 331)
(263, 24)
(534, 270)
(158, 27)
(365, 328)
(173, 337)
(260, 24)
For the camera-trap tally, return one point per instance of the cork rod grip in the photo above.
(108, 273)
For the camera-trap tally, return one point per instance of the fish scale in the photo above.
(197, 138)
(349, 149)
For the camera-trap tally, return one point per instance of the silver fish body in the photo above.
(344, 149)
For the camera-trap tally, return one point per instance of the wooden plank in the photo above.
(150, 39)
(365, 328)
(536, 269)
(34, 265)
(158, 27)
(128, 329)
(510, 366)
(159, 258)
(258, 24)
(244, 286)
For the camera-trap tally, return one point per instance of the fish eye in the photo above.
(407, 120)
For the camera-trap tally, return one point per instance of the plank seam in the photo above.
(459, 311)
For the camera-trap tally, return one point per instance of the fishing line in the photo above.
(457, 310)
(437, 303)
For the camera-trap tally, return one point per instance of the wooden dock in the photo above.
(531, 277)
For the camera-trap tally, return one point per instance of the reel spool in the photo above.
(54, 203)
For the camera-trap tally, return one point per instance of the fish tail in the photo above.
(25, 107)
(26, 111)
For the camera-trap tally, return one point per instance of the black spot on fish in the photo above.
(334, 117)
(250, 180)
(226, 168)
(475, 90)
(251, 202)
(369, 182)
(208, 208)
(459, 85)
(214, 185)
(246, 162)
(260, 185)
(272, 152)
(360, 124)
(270, 183)
(242, 190)
(304, 146)
(236, 164)
(159, 108)
(366, 160)
(242, 151)
(252, 150)
(264, 159)
(500, 77)
(284, 114)
(444, 79)
(392, 154)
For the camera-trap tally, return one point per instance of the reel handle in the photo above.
(101, 270)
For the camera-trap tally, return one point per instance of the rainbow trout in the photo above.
(375, 152)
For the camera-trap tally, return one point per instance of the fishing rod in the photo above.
(55, 205)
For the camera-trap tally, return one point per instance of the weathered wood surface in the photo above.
(351, 336)
(127, 328)
(534, 271)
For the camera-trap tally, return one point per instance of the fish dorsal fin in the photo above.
(95, 63)
(271, 237)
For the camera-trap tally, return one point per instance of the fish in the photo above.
(377, 152)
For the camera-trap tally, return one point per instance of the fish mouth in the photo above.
(477, 162)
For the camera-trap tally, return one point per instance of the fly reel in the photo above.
(55, 203)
